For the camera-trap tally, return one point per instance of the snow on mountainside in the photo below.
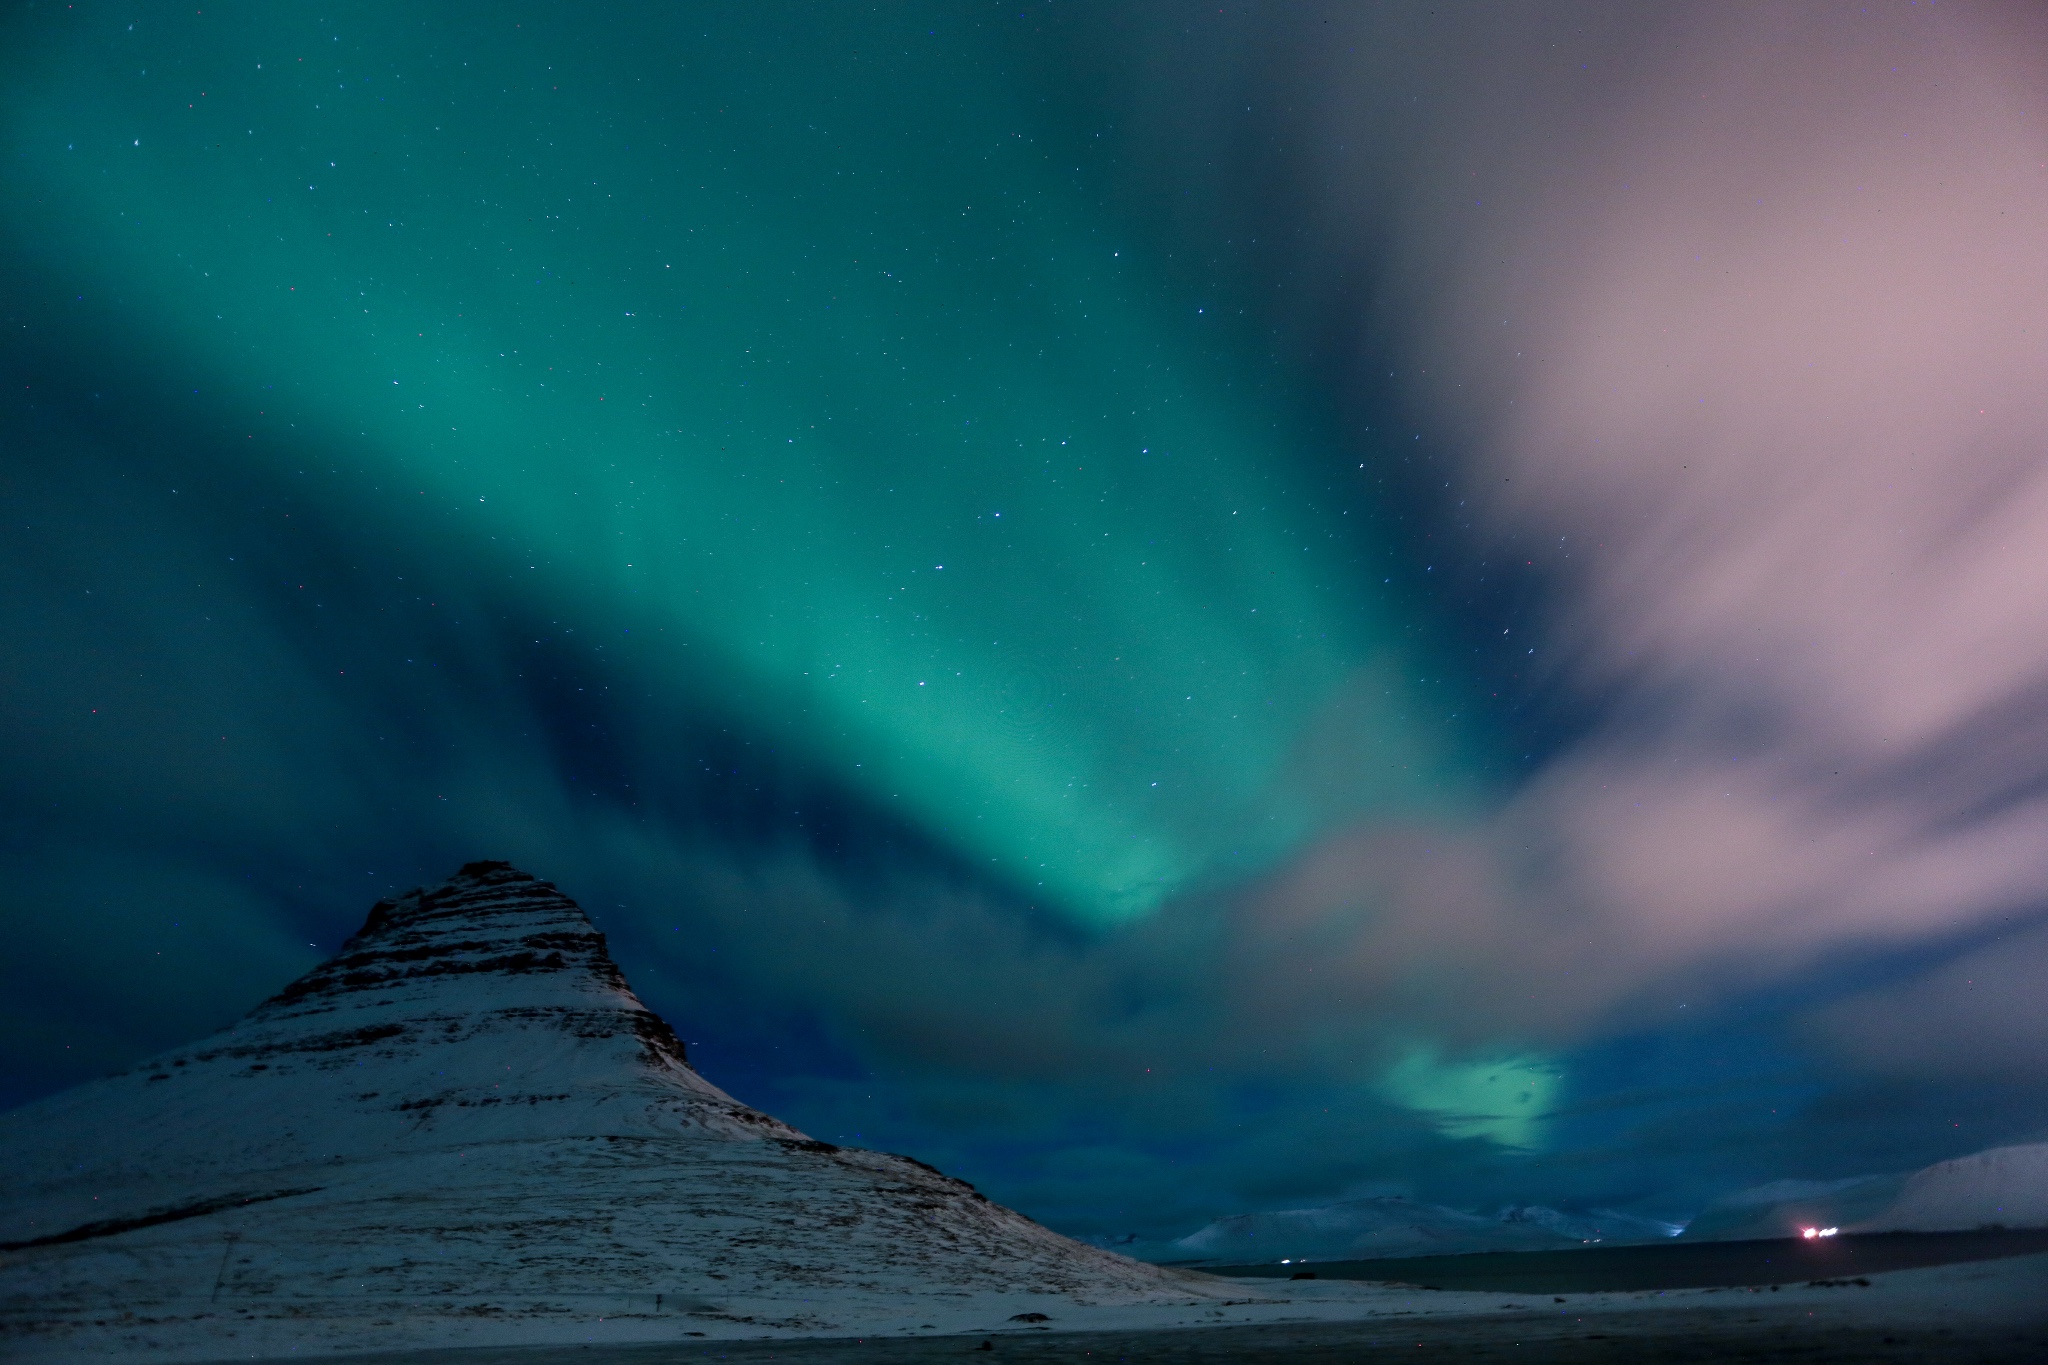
(2001, 1187)
(466, 1126)
(2004, 1187)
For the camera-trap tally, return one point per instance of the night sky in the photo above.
(1173, 608)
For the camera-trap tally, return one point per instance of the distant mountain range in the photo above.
(465, 1127)
(1390, 1226)
(2002, 1187)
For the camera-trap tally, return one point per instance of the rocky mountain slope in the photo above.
(465, 1126)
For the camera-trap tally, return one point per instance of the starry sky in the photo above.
(1174, 608)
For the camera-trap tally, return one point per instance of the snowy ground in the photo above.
(1996, 1311)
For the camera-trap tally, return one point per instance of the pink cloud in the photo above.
(1744, 319)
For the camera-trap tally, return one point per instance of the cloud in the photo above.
(1731, 322)
(1979, 1016)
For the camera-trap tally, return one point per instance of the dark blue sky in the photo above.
(1173, 609)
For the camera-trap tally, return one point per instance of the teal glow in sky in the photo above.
(821, 360)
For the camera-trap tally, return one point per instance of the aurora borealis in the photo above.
(1165, 659)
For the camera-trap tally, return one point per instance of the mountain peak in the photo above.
(483, 1009)
(532, 947)
(467, 1116)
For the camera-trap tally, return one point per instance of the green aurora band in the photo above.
(800, 342)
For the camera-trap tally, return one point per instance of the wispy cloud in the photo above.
(1733, 321)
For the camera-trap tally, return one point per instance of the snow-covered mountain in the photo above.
(2001, 1187)
(466, 1126)
(1390, 1226)
(1600, 1226)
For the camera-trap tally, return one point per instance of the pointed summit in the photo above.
(489, 917)
(483, 1009)
(535, 955)
(465, 1126)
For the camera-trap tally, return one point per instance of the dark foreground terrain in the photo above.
(1989, 1308)
(1674, 1265)
(1720, 1335)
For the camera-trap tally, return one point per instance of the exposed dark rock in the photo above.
(108, 1227)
